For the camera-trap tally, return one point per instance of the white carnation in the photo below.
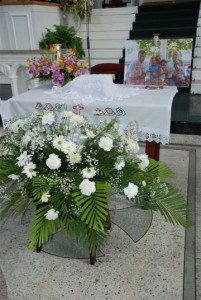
(90, 134)
(144, 161)
(131, 190)
(76, 119)
(132, 146)
(53, 162)
(48, 118)
(26, 139)
(75, 158)
(106, 143)
(87, 187)
(13, 176)
(51, 214)
(66, 114)
(88, 172)
(119, 165)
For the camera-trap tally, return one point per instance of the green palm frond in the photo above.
(40, 186)
(159, 169)
(172, 206)
(8, 166)
(41, 228)
(94, 208)
(9, 204)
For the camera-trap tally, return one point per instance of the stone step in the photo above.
(112, 18)
(196, 74)
(197, 62)
(106, 27)
(198, 42)
(196, 87)
(105, 44)
(102, 35)
(105, 53)
(197, 51)
(115, 11)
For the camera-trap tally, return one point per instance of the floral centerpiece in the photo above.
(66, 166)
(78, 8)
(60, 71)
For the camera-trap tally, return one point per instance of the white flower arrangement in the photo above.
(66, 166)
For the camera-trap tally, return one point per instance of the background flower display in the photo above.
(78, 8)
(65, 167)
(48, 67)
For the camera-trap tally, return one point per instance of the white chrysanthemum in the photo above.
(26, 139)
(119, 165)
(76, 119)
(23, 159)
(69, 147)
(53, 162)
(16, 125)
(58, 142)
(66, 114)
(75, 158)
(52, 214)
(87, 187)
(144, 183)
(132, 146)
(29, 170)
(90, 134)
(88, 172)
(106, 143)
(13, 176)
(131, 190)
(144, 161)
(48, 118)
(45, 197)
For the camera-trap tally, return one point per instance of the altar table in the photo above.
(151, 109)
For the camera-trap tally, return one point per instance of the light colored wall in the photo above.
(21, 26)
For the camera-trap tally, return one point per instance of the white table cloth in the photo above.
(151, 109)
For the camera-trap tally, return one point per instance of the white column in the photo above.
(13, 82)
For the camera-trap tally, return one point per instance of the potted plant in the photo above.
(64, 35)
(65, 166)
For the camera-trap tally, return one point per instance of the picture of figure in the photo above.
(179, 76)
(163, 73)
(171, 67)
(137, 70)
(167, 63)
(158, 58)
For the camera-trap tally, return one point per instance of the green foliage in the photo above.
(41, 228)
(77, 9)
(178, 44)
(68, 183)
(148, 46)
(94, 208)
(62, 35)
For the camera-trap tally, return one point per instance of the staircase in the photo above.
(196, 73)
(172, 21)
(108, 30)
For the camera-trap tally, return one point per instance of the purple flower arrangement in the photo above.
(60, 72)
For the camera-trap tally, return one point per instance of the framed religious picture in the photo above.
(158, 62)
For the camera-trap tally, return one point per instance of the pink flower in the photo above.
(33, 70)
(46, 70)
(55, 68)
